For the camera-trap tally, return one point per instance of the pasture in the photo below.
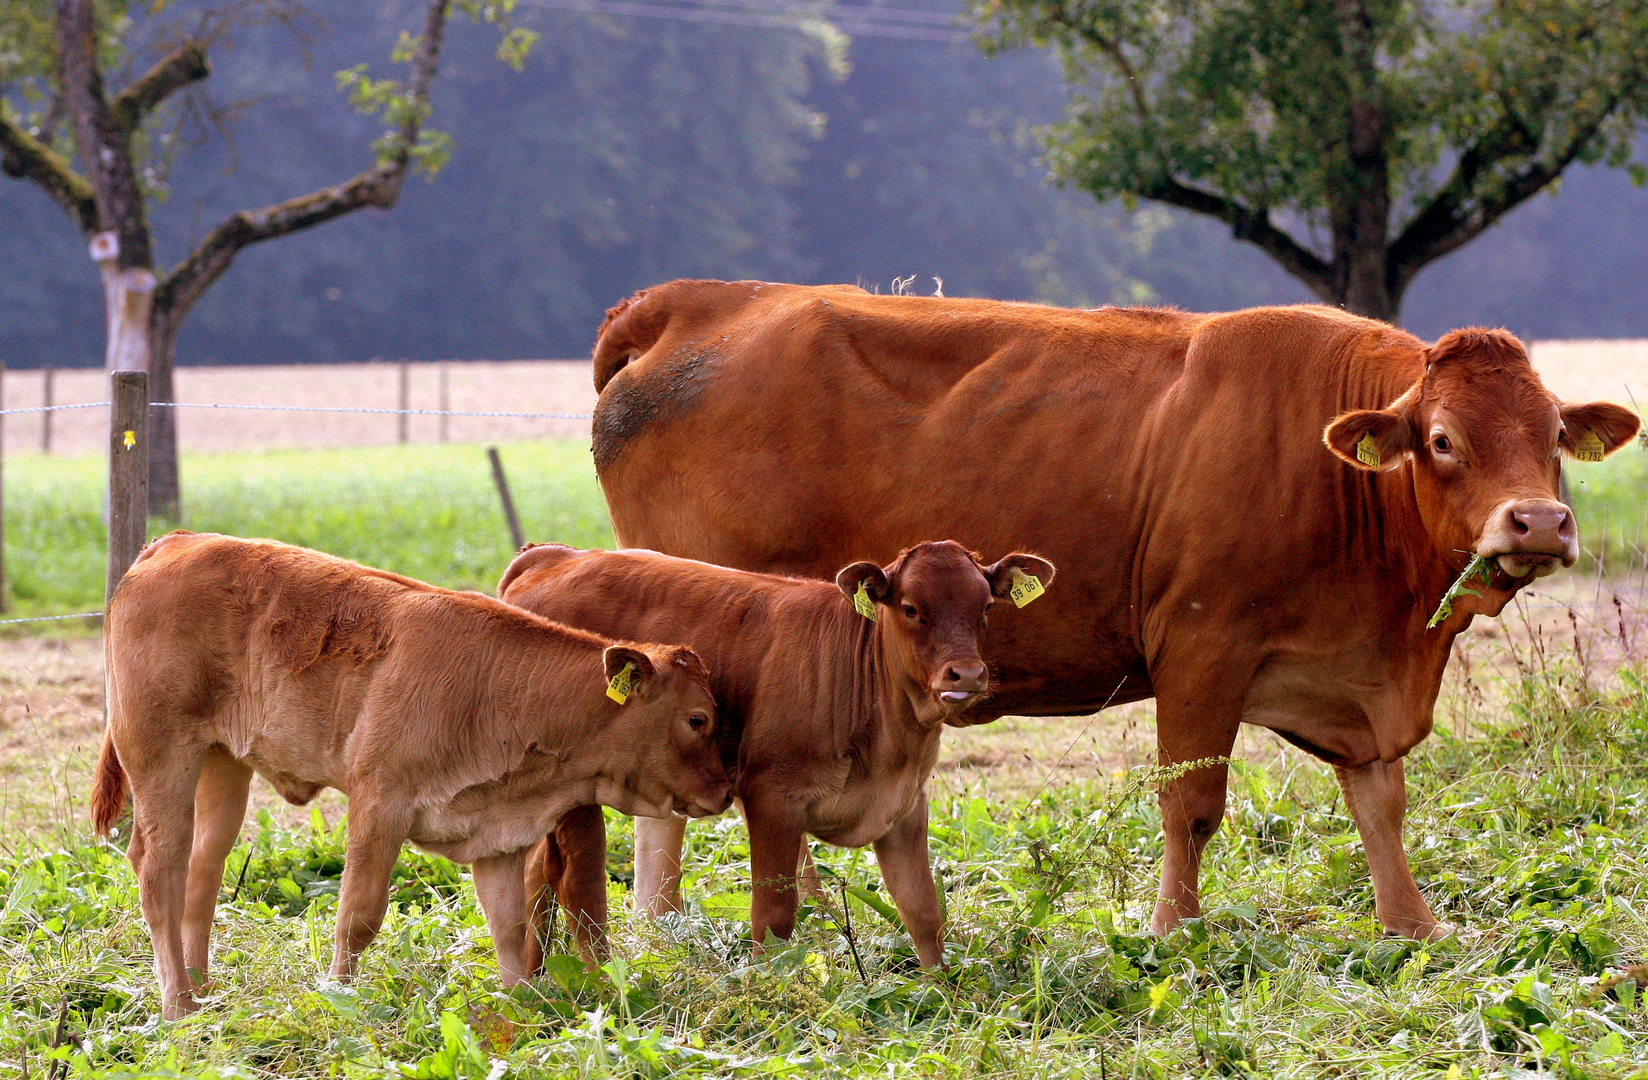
(1530, 807)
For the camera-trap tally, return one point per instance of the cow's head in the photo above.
(1484, 440)
(932, 602)
(665, 735)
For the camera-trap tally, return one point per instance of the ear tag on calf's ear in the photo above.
(862, 602)
(1589, 448)
(1026, 587)
(622, 683)
(1367, 451)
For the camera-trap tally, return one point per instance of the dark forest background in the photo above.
(634, 150)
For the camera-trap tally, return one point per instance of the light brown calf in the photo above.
(452, 720)
(832, 719)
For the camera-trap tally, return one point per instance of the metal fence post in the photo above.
(128, 471)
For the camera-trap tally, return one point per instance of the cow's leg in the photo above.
(807, 871)
(1377, 795)
(375, 838)
(907, 871)
(774, 842)
(501, 889)
(658, 843)
(163, 821)
(1193, 721)
(581, 886)
(220, 808)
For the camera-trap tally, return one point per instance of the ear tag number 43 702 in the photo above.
(1026, 587)
(1589, 448)
(622, 683)
(862, 602)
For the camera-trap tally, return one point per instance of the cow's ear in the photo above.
(617, 657)
(1001, 574)
(868, 574)
(1596, 429)
(1372, 439)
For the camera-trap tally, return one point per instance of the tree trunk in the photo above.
(165, 486)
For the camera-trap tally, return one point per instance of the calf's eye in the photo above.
(910, 610)
(697, 722)
(1441, 444)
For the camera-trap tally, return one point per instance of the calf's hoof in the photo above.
(1419, 929)
(176, 1008)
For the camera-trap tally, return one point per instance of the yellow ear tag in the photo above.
(1367, 451)
(862, 602)
(130, 439)
(1026, 587)
(622, 683)
(1590, 448)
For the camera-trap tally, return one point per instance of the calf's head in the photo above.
(932, 603)
(1484, 440)
(663, 738)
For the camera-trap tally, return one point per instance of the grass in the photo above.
(1529, 809)
(430, 512)
(1527, 834)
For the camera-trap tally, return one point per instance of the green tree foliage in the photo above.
(1354, 141)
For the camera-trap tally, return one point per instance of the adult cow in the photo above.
(1214, 553)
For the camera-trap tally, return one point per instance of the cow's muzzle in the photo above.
(1530, 536)
(959, 683)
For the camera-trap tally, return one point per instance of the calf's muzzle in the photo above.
(960, 680)
(1530, 536)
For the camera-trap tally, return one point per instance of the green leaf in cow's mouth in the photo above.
(1477, 566)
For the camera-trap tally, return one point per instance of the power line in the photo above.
(734, 13)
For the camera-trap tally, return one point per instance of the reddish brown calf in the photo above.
(833, 719)
(452, 720)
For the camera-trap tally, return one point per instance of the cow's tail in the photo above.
(532, 556)
(109, 788)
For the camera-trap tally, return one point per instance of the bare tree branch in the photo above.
(1253, 226)
(186, 64)
(377, 186)
(27, 158)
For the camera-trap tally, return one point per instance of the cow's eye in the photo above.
(1441, 445)
(697, 721)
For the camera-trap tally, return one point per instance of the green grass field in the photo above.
(1527, 827)
(431, 511)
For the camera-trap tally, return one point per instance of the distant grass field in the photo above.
(431, 511)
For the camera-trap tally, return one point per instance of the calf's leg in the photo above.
(658, 843)
(220, 808)
(501, 889)
(907, 871)
(543, 869)
(774, 842)
(375, 839)
(163, 789)
(1377, 795)
(569, 867)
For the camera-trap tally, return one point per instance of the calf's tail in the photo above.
(109, 788)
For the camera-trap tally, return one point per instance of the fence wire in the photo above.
(312, 408)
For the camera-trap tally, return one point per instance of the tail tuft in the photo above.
(108, 789)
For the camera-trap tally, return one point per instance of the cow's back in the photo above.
(1159, 458)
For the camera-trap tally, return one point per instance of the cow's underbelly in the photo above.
(1346, 719)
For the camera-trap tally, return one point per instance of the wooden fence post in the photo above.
(128, 471)
(48, 376)
(503, 493)
(446, 399)
(406, 398)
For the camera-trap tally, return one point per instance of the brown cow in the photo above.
(452, 720)
(1219, 557)
(836, 717)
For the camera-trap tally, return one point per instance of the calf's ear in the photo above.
(689, 661)
(617, 656)
(871, 576)
(1371, 439)
(1001, 574)
(1612, 425)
